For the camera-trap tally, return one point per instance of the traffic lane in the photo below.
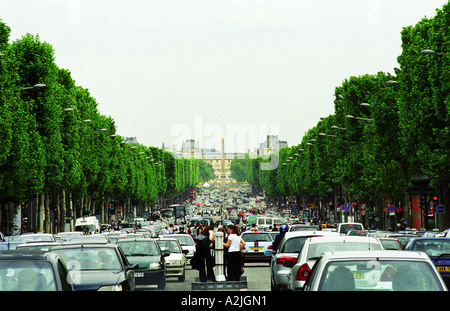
(257, 273)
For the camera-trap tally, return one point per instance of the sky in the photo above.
(171, 70)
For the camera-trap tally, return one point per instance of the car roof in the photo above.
(341, 238)
(375, 254)
(291, 234)
(121, 241)
(25, 254)
(69, 244)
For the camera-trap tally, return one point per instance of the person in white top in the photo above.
(234, 259)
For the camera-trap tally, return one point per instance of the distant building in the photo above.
(130, 140)
(271, 144)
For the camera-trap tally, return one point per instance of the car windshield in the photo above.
(253, 237)
(21, 275)
(89, 258)
(388, 275)
(139, 248)
(316, 249)
(293, 245)
(170, 246)
(433, 248)
(184, 240)
(391, 244)
(36, 238)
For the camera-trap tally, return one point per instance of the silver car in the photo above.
(374, 271)
(286, 254)
(313, 249)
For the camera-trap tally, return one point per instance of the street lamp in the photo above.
(68, 109)
(357, 118)
(365, 104)
(328, 135)
(390, 82)
(39, 85)
(339, 128)
(431, 52)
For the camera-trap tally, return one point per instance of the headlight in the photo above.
(110, 288)
(154, 266)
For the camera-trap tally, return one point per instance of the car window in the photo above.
(293, 245)
(138, 248)
(316, 249)
(90, 258)
(388, 275)
(170, 246)
(261, 237)
(346, 228)
(26, 276)
(434, 247)
(184, 240)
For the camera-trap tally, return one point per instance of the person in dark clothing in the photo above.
(203, 253)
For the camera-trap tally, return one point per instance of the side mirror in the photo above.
(166, 254)
(133, 266)
(185, 251)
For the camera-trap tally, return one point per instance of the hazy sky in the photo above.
(169, 70)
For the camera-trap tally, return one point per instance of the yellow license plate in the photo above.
(256, 248)
(358, 275)
(443, 268)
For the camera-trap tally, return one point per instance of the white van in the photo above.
(89, 225)
(264, 222)
(345, 227)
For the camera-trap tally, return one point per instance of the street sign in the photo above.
(347, 207)
(440, 209)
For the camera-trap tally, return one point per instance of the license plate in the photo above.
(256, 248)
(139, 274)
(443, 268)
(358, 275)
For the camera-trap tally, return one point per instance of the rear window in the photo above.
(253, 237)
(346, 228)
(293, 245)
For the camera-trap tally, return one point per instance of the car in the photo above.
(37, 237)
(404, 238)
(345, 227)
(285, 256)
(438, 249)
(31, 270)
(40, 246)
(176, 262)
(151, 260)
(314, 247)
(256, 243)
(300, 227)
(374, 270)
(69, 235)
(97, 266)
(391, 244)
(187, 243)
(357, 233)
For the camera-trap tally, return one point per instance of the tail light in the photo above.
(303, 272)
(270, 247)
(281, 260)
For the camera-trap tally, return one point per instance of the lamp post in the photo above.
(358, 118)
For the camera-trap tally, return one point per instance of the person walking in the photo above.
(234, 260)
(203, 253)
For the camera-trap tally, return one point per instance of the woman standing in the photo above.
(203, 251)
(234, 259)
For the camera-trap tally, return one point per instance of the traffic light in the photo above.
(423, 201)
(435, 199)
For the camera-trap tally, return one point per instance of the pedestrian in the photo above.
(234, 260)
(203, 253)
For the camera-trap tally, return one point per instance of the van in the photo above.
(89, 225)
(264, 223)
(345, 227)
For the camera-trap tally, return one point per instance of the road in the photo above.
(257, 273)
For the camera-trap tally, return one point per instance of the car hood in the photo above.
(93, 280)
(143, 261)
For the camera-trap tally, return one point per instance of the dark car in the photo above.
(438, 249)
(97, 266)
(31, 270)
(147, 254)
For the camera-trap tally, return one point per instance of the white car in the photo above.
(314, 247)
(374, 271)
(176, 261)
(187, 244)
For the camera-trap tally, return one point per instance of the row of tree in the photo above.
(385, 128)
(59, 156)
